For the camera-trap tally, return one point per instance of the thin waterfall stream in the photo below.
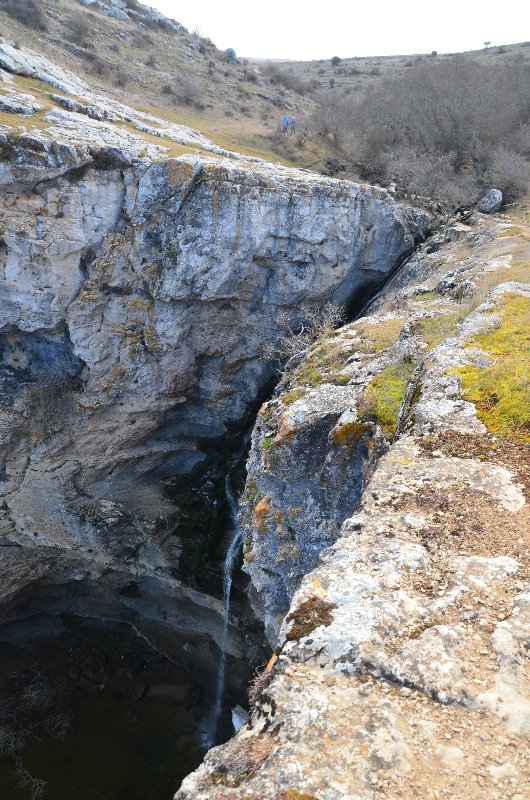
(230, 560)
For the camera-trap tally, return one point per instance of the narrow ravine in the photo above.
(228, 570)
(115, 509)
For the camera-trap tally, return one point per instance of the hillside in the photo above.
(156, 65)
(171, 73)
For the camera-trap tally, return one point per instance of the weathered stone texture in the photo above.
(136, 301)
(401, 665)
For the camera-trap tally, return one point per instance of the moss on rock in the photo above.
(382, 398)
(501, 390)
(311, 614)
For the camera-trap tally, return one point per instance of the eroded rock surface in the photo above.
(401, 664)
(136, 298)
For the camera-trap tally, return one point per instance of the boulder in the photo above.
(491, 202)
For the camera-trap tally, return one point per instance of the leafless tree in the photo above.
(300, 330)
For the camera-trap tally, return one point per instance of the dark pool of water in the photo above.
(134, 718)
(115, 750)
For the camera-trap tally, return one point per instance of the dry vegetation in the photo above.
(446, 127)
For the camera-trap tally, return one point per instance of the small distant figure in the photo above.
(285, 123)
(292, 125)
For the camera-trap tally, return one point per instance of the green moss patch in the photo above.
(501, 390)
(382, 398)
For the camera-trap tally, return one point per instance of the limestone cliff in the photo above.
(136, 301)
(385, 513)
(401, 663)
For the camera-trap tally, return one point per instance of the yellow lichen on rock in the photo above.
(260, 514)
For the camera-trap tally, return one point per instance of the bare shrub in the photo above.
(35, 788)
(288, 78)
(302, 132)
(143, 39)
(332, 118)
(508, 171)
(28, 12)
(11, 742)
(188, 92)
(259, 683)
(98, 65)
(301, 329)
(428, 174)
(34, 708)
(79, 27)
(251, 76)
(121, 77)
(449, 117)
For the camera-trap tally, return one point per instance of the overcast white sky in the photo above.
(308, 29)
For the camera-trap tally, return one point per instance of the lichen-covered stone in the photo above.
(491, 202)
(401, 666)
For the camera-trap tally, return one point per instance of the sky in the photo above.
(307, 30)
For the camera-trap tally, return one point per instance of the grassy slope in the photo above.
(238, 107)
(234, 111)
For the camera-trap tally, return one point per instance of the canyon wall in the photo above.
(136, 301)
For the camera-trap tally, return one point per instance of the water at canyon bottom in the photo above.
(131, 719)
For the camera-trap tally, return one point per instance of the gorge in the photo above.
(381, 477)
(137, 298)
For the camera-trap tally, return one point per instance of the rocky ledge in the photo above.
(387, 538)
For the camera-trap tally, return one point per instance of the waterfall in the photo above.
(231, 556)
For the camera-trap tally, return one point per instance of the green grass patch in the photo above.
(376, 336)
(434, 330)
(501, 390)
(425, 297)
(322, 365)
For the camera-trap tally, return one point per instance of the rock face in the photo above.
(136, 298)
(400, 666)
(120, 9)
(90, 118)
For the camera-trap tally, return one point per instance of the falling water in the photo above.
(231, 556)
